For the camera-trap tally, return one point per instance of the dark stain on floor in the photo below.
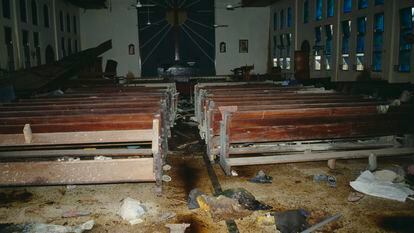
(196, 226)
(7, 198)
(189, 176)
(398, 224)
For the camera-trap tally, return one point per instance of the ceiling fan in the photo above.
(140, 5)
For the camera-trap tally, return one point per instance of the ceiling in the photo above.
(89, 4)
(257, 3)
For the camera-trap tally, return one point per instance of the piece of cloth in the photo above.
(368, 184)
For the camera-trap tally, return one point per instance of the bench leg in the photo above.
(332, 164)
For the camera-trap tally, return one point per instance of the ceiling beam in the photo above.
(257, 3)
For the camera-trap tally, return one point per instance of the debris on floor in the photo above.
(321, 224)
(261, 178)
(177, 228)
(132, 211)
(245, 198)
(48, 228)
(355, 196)
(370, 184)
(167, 215)
(192, 199)
(330, 180)
(265, 220)
(291, 220)
(187, 144)
(222, 207)
(75, 213)
(234, 173)
(395, 174)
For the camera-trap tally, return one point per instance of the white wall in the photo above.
(251, 24)
(47, 36)
(119, 23)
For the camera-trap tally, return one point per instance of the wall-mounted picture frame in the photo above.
(243, 46)
(222, 47)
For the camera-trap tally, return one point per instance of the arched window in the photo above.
(6, 9)
(34, 12)
(23, 11)
(67, 22)
(75, 26)
(62, 27)
(46, 16)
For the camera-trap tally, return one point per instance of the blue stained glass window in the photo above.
(379, 2)
(318, 35)
(362, 4)
(306, 11)
(329, 36)
(377, 62)
(289, 17)
(379, 22)
(282, 19)
(318, 10)
(406, 27)
(347, 6)
(361, 30)
(330, 10)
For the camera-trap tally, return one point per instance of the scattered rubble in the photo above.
(177, 228)
(132, 210)
(48, 228)
(229, 204)
(222, 207)
(330, 180)
(261, 178)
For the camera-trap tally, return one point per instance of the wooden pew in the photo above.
(35, 132)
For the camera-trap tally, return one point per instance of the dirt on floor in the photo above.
(292, 188)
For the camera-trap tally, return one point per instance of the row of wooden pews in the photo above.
(261, 123)
(88, 135)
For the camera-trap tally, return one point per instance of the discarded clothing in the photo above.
(330, 180)
(368, 184)
(245, 198)
(222, 207)
(192, 199)
(261, 178)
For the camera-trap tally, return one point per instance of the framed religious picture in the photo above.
(222, 47)
(243, 46)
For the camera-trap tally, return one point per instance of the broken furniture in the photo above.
(81, 137)
(243, 71)
(250, 124)
(52, 76)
